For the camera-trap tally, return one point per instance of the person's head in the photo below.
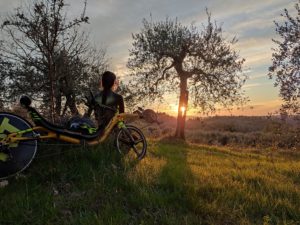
(108, 80)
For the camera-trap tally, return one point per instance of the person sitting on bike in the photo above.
(109, 98)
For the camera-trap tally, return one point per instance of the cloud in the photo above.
(247, 86)
(258, 76)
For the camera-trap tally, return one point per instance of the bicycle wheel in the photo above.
(16, 157)
(131, 138)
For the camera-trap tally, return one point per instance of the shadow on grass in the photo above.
(167, 199)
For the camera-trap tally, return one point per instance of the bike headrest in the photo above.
(25, 101)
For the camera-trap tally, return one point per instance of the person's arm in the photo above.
(90, 103)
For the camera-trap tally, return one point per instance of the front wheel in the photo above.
(131, 141)
(15, 157)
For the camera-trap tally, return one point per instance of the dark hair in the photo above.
(108, 80)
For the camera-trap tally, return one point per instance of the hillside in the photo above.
(176, 183)
(259, 132)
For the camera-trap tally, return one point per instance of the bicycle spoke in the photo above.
(135, 150)
(138, 141)
(125, 141)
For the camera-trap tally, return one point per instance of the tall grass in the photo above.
(176, 183)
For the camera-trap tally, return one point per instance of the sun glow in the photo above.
(182, 109)
(173, 110)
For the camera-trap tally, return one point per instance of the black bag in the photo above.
(83, 125)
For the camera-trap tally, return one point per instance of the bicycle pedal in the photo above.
(3, 157)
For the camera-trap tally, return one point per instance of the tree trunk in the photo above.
(72, 104)
(58, 102)
(51, 91)
(183, 102)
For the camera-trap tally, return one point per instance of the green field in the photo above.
(176, 183)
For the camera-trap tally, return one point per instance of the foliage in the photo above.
(175, 184)
(168, 56)
(51, 58)
(286, 61)
(4, 73)
(128, 96)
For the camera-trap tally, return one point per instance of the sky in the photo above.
(112, 23)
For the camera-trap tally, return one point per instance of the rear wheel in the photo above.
(131, 141)
(15, 157)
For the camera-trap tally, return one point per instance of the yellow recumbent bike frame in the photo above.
(18, 139)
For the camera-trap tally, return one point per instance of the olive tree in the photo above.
(198, 64)
(286, 60)
(51, 57)
(4, 72)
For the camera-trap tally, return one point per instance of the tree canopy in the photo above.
(286, 60)
(52, 59)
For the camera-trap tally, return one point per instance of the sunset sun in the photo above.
(182, 109)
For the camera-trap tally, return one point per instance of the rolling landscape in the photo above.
(247, 180)
(153, 112)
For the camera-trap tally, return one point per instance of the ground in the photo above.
(177, 183)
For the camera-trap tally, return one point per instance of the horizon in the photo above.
(112, 24)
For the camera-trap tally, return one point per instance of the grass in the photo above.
(176, 183)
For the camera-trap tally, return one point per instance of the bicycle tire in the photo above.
(22, 153)
(123, 138)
